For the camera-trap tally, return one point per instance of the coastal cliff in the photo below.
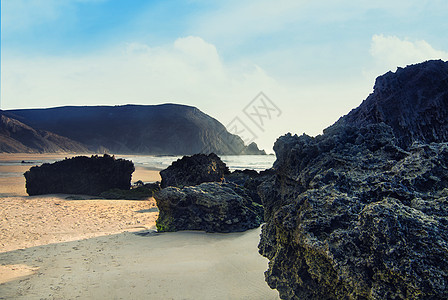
(361, 212)
(413, 101)
(167, 129)
(16, 136)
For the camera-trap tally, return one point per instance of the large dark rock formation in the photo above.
(351, 214)
(413, 101)
(195, 198)
(18, 137)
(194, 170)
(168, 129)
(211, 207)
(250, 180)
(80, 175)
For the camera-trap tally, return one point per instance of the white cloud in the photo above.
(235, 21)
(188, 71)
(390, 52)
(196, 48)
(19, 15)
(261, 38)
(24, 15)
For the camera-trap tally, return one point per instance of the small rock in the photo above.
(194, 170)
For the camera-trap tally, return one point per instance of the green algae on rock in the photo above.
(361, 212)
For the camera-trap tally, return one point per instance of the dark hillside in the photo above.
(138, 129)
(16, 136)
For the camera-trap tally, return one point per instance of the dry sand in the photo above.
(53, 248)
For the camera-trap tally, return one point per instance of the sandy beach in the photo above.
(54, 248)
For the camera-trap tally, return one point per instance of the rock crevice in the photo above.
(361, 212)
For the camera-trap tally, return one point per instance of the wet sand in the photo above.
(53, 248)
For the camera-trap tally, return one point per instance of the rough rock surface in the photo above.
(352, 215)
(211, 207)
(413, 101)
(250, 180)
(80, 175)
(194, 170)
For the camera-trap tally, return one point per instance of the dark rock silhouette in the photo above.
(139, 192)
(211, 207)
(194, 196)
(351, 214)
(194, 170)
(250, 180)
(167, 129)
(18, 137)
(80, 175)
(252, 148)
(413, 101)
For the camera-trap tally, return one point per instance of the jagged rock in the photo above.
(251, 149)
(352, 215)
(413, 101)
(194, 170)
(352, 221)
(211, 207)
(203, 202)
(80, 175)
(250, 180)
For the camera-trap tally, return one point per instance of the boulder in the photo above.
(80, 175)
(194, 170)
(210, 207)
(361, 212)
(250, 180)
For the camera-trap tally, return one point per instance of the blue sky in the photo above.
(314, 59)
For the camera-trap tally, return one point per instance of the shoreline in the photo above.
(180, 265)
(51, 247)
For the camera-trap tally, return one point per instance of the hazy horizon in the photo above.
(313, 61)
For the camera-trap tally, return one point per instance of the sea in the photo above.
(233, 162)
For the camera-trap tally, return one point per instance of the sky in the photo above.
(262, 68)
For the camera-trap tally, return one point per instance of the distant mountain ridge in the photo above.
(166, 129)
(16, 136)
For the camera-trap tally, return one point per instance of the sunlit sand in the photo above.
(51, 247)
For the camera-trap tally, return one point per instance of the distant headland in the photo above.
(166, 129)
